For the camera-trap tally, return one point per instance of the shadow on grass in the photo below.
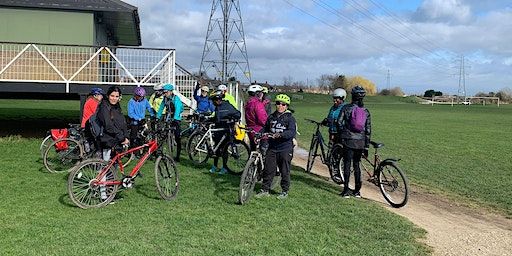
(313, 180)
(64, 200)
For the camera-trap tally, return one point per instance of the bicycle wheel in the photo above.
(62, 155)
(166, 176)
(197, 153)
(313, 148)
(393, 184)
(336, 164)
(238, 154)
(83, 188)
(248, 181)
(47, 141)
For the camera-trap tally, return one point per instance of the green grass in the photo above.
(462, 151)
(38, 217)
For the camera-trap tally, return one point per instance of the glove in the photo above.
(325, 121)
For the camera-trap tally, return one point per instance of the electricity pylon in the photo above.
(225, 52)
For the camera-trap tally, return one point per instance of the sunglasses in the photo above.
(281, 103)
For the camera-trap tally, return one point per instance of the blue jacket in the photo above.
(137, 109)
(332, 118)
(204, 104)
(173, 105)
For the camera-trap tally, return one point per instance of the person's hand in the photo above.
(126, 141)
(276, 135)
(325, 121)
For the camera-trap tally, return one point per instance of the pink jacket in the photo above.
(255, 114)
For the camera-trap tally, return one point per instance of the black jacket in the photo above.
(350, 138)
(113, 122)
(225, 111)
(285, 125)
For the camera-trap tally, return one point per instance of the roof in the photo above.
(123, 18)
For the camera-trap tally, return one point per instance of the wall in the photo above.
(45, 26)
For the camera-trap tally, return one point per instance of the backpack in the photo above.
(60, 134)
(95, 126)
(357, 119)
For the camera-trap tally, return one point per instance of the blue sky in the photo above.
(419, 41)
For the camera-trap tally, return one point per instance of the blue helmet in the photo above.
(168, 87)
(96, 91)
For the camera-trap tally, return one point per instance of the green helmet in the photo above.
(283, 98)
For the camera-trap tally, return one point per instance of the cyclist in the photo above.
(223, 111)
(255, 114)
(227, 96)
(338, 98)
(91, 104)
(354, 125)
(137, 107)
(267, 100)
(204, 104)
(157, 97)
(172, 107)
(111, 118)
(282, 125)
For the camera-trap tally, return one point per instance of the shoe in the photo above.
(213, 169)
(262, 194)
(345, 194)
(223, 171)
(282, 196)
(357, 194)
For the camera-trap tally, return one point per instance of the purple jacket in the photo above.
(255, 114)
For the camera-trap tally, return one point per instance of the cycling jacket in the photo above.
(349, 138)
(255, 114)
(204, 104)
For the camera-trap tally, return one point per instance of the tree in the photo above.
(431, 93)
(396, 91)
(505, 94)
(368, 85)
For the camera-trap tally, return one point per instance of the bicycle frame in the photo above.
(210, 142)
(151, 145)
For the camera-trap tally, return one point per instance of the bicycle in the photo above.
(386, 175)
(326, 153)
(253, 170)
(94, 183)
(65, 153)
(201, 147)
(197, 122)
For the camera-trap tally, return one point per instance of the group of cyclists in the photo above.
(219, 105)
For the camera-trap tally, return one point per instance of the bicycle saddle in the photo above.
(377, 144)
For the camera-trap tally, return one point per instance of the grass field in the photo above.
(39, 219)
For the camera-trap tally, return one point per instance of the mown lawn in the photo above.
(462, 151)
(39, 219)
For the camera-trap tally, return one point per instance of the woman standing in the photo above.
(110, 117)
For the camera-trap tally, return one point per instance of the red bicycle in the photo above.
(94, 182)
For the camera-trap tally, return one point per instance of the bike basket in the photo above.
(59, 134)
(239, 133)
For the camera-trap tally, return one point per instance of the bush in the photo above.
(396, 91)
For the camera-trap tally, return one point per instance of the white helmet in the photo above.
(255, 88)
(339, 93)
(222, 87)
(158, 87)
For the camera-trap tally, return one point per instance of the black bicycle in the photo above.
(326, 154)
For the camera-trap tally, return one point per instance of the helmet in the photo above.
(222, 87)
(168, 87)
(96, 91)
(339, 93)
(255, 88)
(140, 91)
(217, 94)
(283, 98)
(158, 87)
(205, 88)
(358, 92)
(265, 89)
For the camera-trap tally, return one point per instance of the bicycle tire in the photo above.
(238, 154)
(336, 163)
(396, 194)
(313, 148)
(197, 157)
(248, 181)
(81, 189)
(47, 141)
(63, 160)
(170, 141)
(166, 177)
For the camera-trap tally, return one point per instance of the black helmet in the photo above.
(358, 92)
(217, 94)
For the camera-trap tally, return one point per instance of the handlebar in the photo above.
(313, 121)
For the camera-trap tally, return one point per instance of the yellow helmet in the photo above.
(265, 89)
(283, 98)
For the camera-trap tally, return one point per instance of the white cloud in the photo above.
(443, 11)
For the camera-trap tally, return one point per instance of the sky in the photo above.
(420, 42)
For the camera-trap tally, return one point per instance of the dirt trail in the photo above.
(452, 229)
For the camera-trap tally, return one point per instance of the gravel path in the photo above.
(452, 229)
